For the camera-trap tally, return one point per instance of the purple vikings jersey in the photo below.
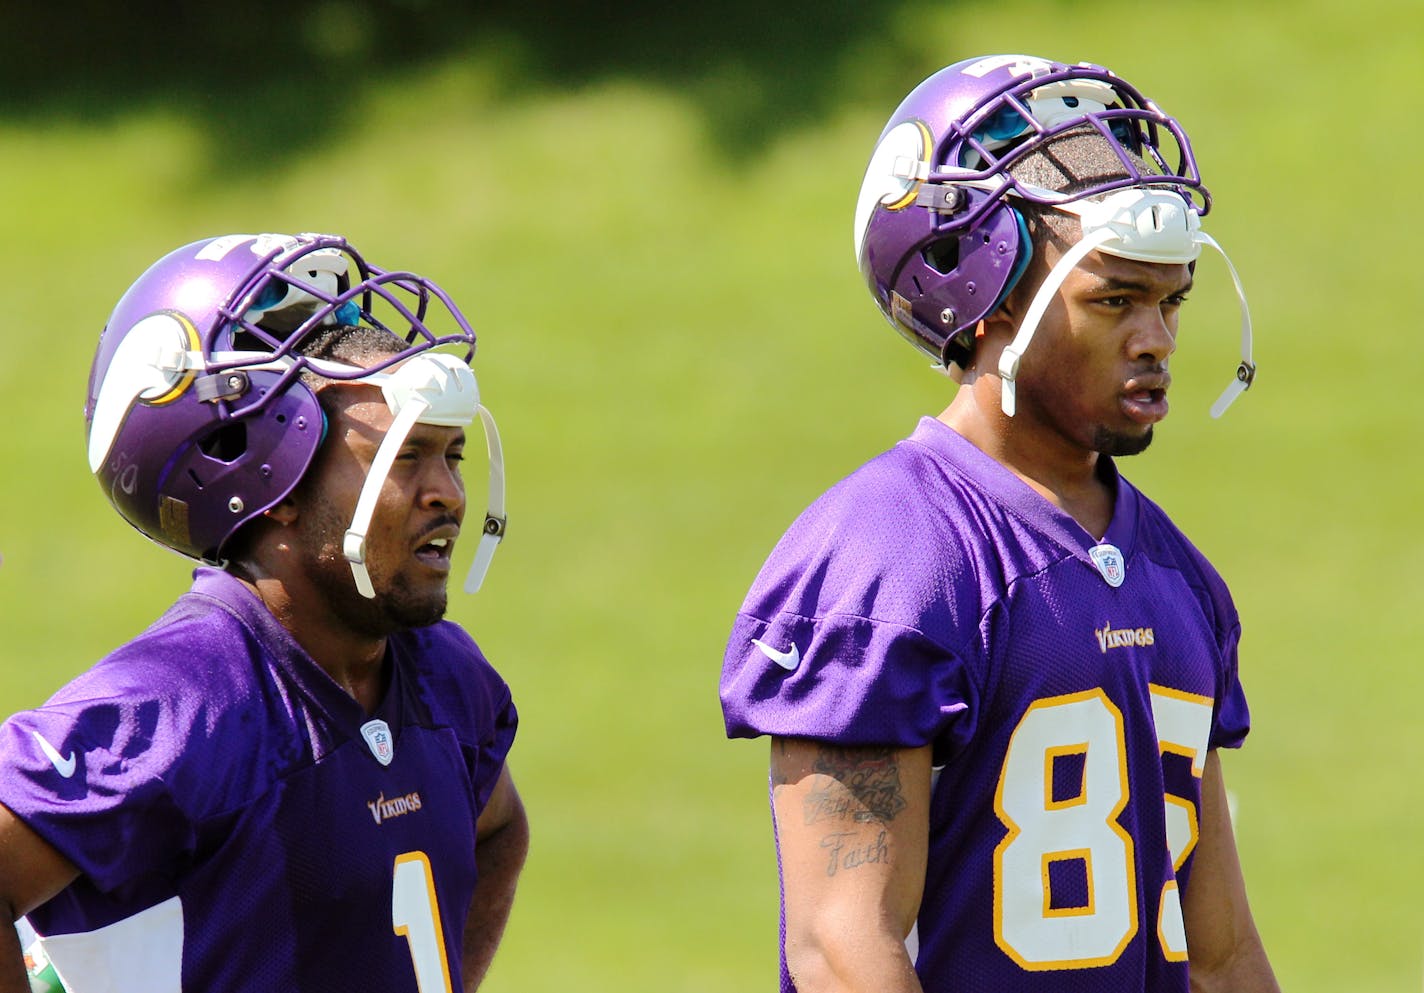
(1069, 689)
(240, 823)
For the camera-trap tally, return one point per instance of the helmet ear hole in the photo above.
(938, 237)
(201, 413)
(227, 444)
(942, 256)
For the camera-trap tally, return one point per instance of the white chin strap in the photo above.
(1146, 225)
(155, 361)
(439, 389)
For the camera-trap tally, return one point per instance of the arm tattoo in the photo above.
(869, 786)
(780, 776)
(847, 851)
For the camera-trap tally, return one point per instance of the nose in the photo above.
(443, 487)
(1154, 339)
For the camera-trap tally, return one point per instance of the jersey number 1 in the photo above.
(1065, 827)
(415, 916)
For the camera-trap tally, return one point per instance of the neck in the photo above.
(354, 661)
(1062, 472)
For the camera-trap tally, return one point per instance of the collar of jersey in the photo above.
(344, 716)
(1011, 492)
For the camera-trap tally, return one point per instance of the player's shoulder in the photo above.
(1163, 539)
(451, 667)
(1168, 546)
(444, 646)
(897, 540)
(187, 649)
(889, 500)
(167, 707)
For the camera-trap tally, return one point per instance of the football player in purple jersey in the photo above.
(295, 779)
(995, 675)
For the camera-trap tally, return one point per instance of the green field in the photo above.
(681, 355)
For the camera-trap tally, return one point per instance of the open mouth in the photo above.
(1145, 406)
(436, 552)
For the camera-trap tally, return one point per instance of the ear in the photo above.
(993, 335)
(1004, 318)
(284, 512)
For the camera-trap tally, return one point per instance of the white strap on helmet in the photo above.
(354, 544)
(431, 388)
(1246, 371)
(1012, 355)
(494, 517)
(1147, 225)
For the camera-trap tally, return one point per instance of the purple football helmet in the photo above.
(198, 419)
(936, 235)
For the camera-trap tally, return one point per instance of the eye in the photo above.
(1175, 300)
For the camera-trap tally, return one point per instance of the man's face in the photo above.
(1096, 372)
(413, 529)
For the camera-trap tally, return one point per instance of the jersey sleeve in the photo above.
(91, 778)
(855, 681)
(489, 760)
(469, 695)
(859, 625)
(1231, 719)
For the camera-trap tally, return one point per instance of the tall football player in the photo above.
(995, 676)
(295, 779)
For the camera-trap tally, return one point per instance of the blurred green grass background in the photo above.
(681, 355)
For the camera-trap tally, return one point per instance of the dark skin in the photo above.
(852, 827)
(852, 823)
(1094, 380)
(293, 561)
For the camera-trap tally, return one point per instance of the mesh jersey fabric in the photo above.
(216, 763)
(935, 599)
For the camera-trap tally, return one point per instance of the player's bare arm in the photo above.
(1031, 227)
(30, 873)
(1226, 949)
(501, 842)
(12, 963)
(852, 825)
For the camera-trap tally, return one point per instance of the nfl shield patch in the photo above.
(1110, 564)
(378, 738)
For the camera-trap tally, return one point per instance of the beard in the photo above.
(1111, 443)
(398, 605)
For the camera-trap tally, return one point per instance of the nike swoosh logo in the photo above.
(787, 660)
(64, 764)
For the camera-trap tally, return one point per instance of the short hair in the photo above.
(1068, 163)
(351, 344)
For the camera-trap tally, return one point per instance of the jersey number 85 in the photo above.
(1053, 836)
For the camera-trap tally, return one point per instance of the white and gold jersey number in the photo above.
(415, 916)
(1035, 930)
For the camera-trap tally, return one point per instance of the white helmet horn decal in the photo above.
(148, 367)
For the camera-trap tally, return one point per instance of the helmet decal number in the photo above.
(1019, 65)
(219, 248)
